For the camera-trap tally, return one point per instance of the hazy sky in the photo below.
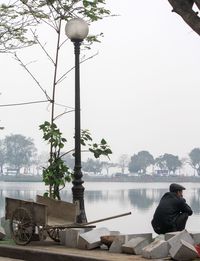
(141, 92)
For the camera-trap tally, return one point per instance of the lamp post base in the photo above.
(78, 195)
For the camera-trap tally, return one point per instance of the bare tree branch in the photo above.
(54, 17)
(58, 116)
(21, 103)
(67, 152)
(64, 75)
(42, 47)
(64, 42)
(38, 19)
(33, 77)
(13, 28)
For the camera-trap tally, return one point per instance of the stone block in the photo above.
(159, 237)
(69, 237)
(182, 235)
(108, 240)
(104, 247)
(196, 237)
(2, 233)
(135, 245)
(169, 235)
(91, 239)
(116, 246)
(148, 236)
(157, 249)
(114, 233)
(62, 237)
(119, 240)
(5, 223)
(183, 251)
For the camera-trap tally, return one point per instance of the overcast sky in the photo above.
(141, 92)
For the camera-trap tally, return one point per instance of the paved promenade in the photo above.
(50, 251)
(9, 259)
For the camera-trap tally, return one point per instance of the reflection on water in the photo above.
(195, 201)
(140, 198)
(108, 199)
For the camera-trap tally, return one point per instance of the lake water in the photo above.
(105, 199)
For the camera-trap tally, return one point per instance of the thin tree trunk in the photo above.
(54, 92)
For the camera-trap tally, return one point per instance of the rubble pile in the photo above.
(179, 246)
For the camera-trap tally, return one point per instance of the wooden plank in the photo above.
(59, 212)
(37, 210)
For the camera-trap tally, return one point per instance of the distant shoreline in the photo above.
(20, 178)
(144, 179)
(125, 178)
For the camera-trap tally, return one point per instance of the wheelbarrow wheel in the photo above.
(54, 234)
(22, 227)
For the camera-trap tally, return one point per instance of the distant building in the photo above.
(162, 172)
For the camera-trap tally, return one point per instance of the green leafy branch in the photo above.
(57, 173)
(98, 149)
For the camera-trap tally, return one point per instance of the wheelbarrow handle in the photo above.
(108, 218)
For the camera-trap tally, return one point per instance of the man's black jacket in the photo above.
(168, 210)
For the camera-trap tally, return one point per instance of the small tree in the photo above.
(57, 173)
(139, 162)
(169, 162)
(194, 156)
(41, 161)
(123, 162)
(94, 166)
(172, 162)
(19, 151)
(160, 163)
(134, 165)
(107, 165)
(55, 14)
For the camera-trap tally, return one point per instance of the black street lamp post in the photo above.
(76, 30)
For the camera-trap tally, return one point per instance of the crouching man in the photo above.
(172, 212)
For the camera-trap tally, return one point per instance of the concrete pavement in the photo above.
(9, 259)
(51, 251)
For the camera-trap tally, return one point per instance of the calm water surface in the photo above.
(108, 199)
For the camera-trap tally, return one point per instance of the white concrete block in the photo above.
(116, 246)
(196, 237)
(183, 252)
(2, 233)
(62, 237)
(159, 237)
(157, 249)
(114, 233)
(182, 235)
(69, 237)
(148, 236)
(135, 245)
(169, 235)
(5, 223)
(91, 239)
